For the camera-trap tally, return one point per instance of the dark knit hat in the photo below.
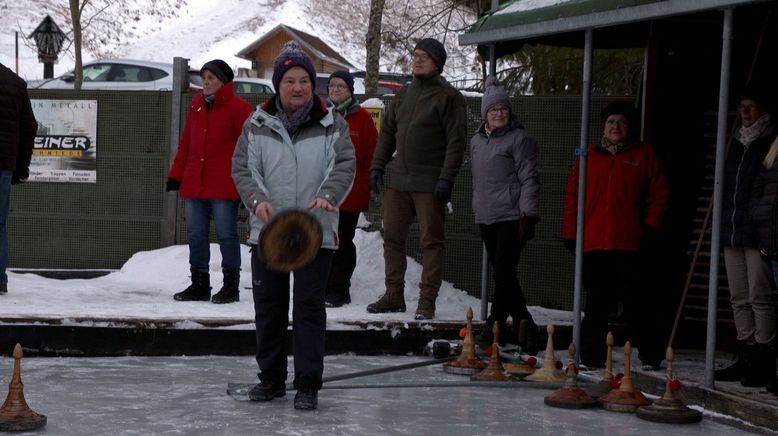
(346, 77)
(435, 49)
(494, 94)
(220, 69)
(627, 109)
(292, 55)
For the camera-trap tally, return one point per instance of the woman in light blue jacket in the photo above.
(506, 193)
(293, 154)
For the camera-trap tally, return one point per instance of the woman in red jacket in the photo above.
(202, 173)
(626, 203)
(364, 136)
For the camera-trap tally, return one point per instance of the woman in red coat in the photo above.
(202, 173)
(364, 137)
(626, 203)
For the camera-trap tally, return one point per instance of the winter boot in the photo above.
(736, 370)
(267, 390)
(199, 290)
(426, 308)
(230, 291)
(772, 379)
(755, 374)
(530, 341)
(389, 302)
(306, 399)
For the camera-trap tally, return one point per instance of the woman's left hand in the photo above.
(321, 203)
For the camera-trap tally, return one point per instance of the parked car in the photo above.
(251, 85)
(121, 74)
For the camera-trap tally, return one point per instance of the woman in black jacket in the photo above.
(764, 217)
(748, 273)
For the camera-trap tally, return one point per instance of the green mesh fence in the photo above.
(101, 225)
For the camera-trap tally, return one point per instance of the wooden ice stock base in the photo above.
(15, 414)
(570, 396)
(467, 363)
(669, 409)
(626, 398)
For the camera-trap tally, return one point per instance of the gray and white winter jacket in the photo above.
(506, 184)
(289, 172)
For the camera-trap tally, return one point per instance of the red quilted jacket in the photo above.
(203, 162)
(364, 136)
(623, 192)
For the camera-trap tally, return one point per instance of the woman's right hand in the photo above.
(264, 211)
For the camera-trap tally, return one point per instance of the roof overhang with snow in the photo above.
(554, 22)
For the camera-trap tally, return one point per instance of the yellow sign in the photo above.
(376, 114)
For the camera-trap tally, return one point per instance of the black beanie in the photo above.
(435, 49)
(220, 69)
(346, 77)
(292, 55)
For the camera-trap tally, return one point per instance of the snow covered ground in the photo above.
(143, 290)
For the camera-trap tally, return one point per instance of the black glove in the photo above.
(173, 185)
(377, 181)
(443, 191)
(20, 175)
(570, 245)
(527, 229)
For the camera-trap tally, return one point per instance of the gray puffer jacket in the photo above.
(289, 172)
(506, 184)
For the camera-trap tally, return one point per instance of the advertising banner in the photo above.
(65, 148)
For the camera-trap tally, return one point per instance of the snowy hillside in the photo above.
(159, 30)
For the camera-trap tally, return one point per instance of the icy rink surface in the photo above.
(187, 396)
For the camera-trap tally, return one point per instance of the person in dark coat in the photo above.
(626, 205)
(363, 136)
(202, 173)
(764, 216)
(422, 140)
(506, 200)
(748, 273)
(17, 134)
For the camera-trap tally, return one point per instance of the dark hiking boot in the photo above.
(425, 310)
(3, 288)
(230, 291)
(267, 390)
(755, 374)
(199, 290)
(736, 369)
(389, 302)
(306, 399)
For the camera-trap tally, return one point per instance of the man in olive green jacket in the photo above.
(426, 126)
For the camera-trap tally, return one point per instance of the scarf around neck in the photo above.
(343, 107)
(293, 121)
(749, 134)
(614, 147)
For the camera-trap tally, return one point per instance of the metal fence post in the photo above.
(170, 202)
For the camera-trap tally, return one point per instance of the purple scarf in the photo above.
(293, 121)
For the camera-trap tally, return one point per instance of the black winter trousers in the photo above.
(613, 276)
(345, 258)
(503, 251)
(309, 320)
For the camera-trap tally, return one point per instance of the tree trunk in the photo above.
(75, 17)
(373, 45)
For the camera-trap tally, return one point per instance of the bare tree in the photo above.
(76, 8)
(373, 45)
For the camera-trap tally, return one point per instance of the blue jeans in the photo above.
(198, 221)
(5, 197)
